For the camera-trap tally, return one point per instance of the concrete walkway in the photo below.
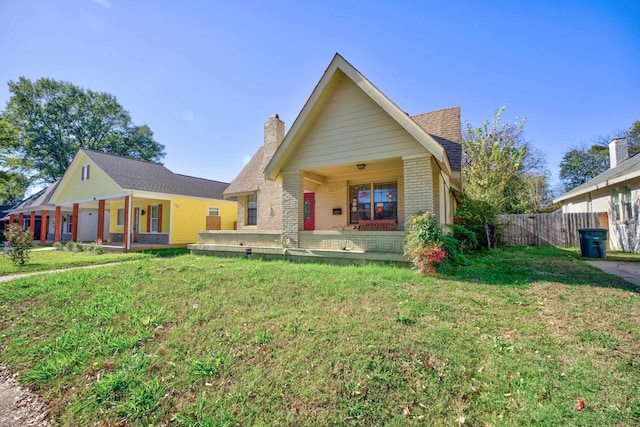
(36, 273)
(629, 271)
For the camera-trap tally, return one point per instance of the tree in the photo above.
(13, 181)
(55, 118)
(580, 164)
(500, 167)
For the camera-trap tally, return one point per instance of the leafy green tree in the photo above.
(13, 181)
(55, 118)
(499, 166)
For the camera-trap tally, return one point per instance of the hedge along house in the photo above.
(36, 213)
(125, 201)
(346, 176)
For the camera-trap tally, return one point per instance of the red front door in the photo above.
(309, 211)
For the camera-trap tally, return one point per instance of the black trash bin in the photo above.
(593, 242)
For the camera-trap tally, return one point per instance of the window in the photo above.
(252, 209)
(628, 207)
(214, 211)
(85, 172)
(68, 228)
(120, 217)
(153, 218)
(373, 201)
(616, 205)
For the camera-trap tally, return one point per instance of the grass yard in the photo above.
(516, 338)
(41, 260)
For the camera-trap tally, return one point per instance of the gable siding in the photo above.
(99, 183)
(352, 128)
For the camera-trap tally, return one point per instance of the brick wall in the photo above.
(418, 186)
(292, 206)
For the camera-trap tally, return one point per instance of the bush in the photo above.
(20, 242)
(424, 243)
(58, 246)
(470, 220)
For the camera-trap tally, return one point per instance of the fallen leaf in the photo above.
(580, 404)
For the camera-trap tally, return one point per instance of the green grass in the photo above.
(515, 338)
(42, 260)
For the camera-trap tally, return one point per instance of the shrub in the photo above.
(20, 242)
(58, 246)
(424, 242)
(96, 247)
(470, 220)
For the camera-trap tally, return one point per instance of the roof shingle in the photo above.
(140, 175)
(444, 126)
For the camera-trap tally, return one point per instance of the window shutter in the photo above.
(148, 218)
(82, 175)
(160, 218)
(87, 171)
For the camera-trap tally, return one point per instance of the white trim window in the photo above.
(153, 221)
(213, 211)
(120, 217)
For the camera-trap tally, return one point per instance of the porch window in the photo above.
(214, 211)
(120, 217)
(153, 218)
(375, 201)
(68, 228)
(252, 209)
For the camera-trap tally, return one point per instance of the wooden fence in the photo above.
(554, 229)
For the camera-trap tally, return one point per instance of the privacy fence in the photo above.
(554, 229)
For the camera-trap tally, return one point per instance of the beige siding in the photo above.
(352, 128)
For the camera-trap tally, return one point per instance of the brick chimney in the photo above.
(618, 151)
(273, 136)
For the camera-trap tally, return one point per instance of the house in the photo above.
(615, 191)
(123, 201)
(35, 213)
(346, 176)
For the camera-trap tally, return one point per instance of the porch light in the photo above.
(361, 166)
(142, 212)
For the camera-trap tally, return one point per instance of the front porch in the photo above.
(341, 246)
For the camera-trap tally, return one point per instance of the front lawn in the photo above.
(42, 260)
(516, 338)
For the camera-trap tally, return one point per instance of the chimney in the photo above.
(618, 151)
(273, 136)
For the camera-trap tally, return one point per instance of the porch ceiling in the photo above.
(350, 170)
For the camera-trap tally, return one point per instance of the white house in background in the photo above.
(615, 191)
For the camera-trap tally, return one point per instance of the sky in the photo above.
(206, 75)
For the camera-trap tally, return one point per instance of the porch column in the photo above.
(125, 234)
(292, 207)
(74, 222)
(21, 219)
(32, 224)
(100, 235)
(418, 186)
(12, 218)
(43, 226)
(58, 225)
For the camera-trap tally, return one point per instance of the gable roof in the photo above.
(37, 200)
(248, 179)
(339, 66)
(444, 126)
(626, 170)
(131, 174)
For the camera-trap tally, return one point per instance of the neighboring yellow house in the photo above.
(124, 201)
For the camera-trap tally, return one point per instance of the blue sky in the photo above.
(205, 75)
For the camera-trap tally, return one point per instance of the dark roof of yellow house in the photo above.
(131, 174)
(36, 200)
(444, 126)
